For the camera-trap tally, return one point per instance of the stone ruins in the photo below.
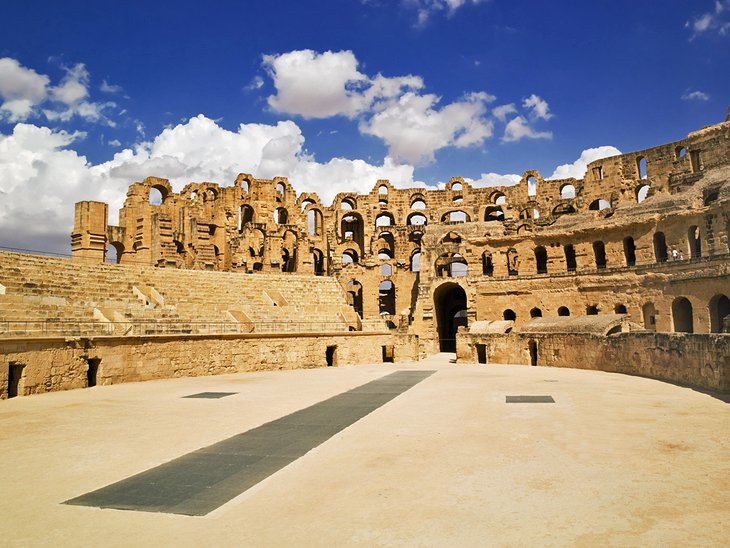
(627, 270)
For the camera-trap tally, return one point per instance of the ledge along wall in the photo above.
(697, 360)
(50, 364)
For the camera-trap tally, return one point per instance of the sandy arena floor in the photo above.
(615, 461)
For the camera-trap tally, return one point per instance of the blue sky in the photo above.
(335, 94)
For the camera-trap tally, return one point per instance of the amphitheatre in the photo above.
(545, 362)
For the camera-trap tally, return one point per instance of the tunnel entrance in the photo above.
(449, 302)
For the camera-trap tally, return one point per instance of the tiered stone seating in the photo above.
(75, 298)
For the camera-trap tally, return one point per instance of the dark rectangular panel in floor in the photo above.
(211, 395)
(530, 399)
(201, 481)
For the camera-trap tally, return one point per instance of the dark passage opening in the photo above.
(15, 373)
(450, 304)
(533, 352)
(330, 355)
(387, 353)
(92, 371)
(482, 353)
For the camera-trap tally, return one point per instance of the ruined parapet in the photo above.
(88, 239)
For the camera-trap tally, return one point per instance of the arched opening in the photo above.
(660, 247)
(641, 193)
(532, 345)
(114, 252)
(719, 314)
(386, 244)
(592, 310)
(680, 152)
(599, 251)
(535, 313)
(318, 262)
(349, 256)
(386, 297)
(451, 265)
(280, 189)
(457, 187)
(487, 265)
(648, 313)
(499, 199)
(563, 209)
(281, 216)
(455, 217)
(509, 315)
(630, 251)
(682, 315)
(347, 204)
(416, 261)
(599, 205)
(493, 213)
(307, 203)
(570, 262)
(620, 309)
(563, 311)
(567, 192)
(531, 186)
(457, 199)
(351, 228)
(449, 300)
(541, 260)
(416, 219)
(513, 262)
(384, 219)
(157, 195)
(383, 190)
(418, 203)
(695, 242)
(641, 167)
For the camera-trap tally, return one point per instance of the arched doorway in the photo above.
(449, 300)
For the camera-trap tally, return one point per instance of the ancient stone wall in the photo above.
(701, 361)
(45, 365)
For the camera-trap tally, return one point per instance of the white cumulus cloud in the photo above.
(695, 96)
(716, 20)
(577, 169)
(519, 128)
(21, 89)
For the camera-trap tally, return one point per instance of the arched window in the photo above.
(418, 203)
(459, 266)
(719, 314)
(499, 199)
(599, 251)
(682, 315)
(317, 262)
(416, 219)
(641, 167)
(535, 313)
(416, 261)
(592, 310)
(531, 186)
(567, 192)
(280, 189)
(455, 217)
(157, 195)
(570, 261)
(281, 216)
(509, 314)
(660, 247)
(384, 219)
(599, 205)
(680, 152)
(114, 252)
(620, 309)
(456, 187)
(630, 251)
(641, 193)
(347, 204)
(695, 242)
(493, 213)
(541, 260)
(563, 311)
(306, 203)
(349, 257)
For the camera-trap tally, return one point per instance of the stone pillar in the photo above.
(88, 239)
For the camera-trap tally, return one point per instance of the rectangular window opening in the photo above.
(92, 371)
(15, 375)
(331, 356)
(388, 353)
(481, 353)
